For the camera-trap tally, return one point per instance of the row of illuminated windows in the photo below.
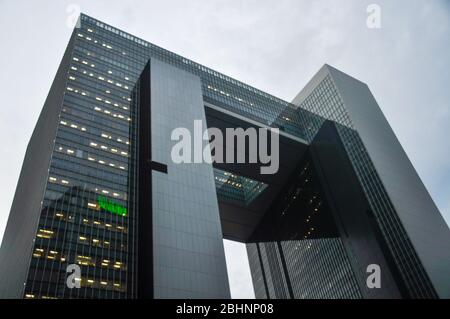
(81, 35)
(102, 56)
(103, 93)
(89, 79)
(79, 110)
(82, 260)
(33, 296)
(50, 255)
(104, 225)
(228, 95)
(65, 182)
(86, 283)
(80, 154)
(102, 76)
(102, 284)
(104, 263)
(103, 134)
(106, 111)
(227, 181)
(107, 49)
(59, 215)
(46, 233)
(88, 174)
(65, 238)
(91, 222)
(239, 84)
(105, 64)
(109, 95)
(95, 79)
(268, 112)
(95, 242)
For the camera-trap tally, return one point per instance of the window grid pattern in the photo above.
(319, 269)
(277, 285)
(326, 102)
(236, 188)
(256, 271)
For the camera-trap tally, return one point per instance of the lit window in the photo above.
(44, 233)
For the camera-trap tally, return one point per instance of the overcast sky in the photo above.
(276, 46)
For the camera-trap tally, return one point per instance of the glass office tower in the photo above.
(98, 188)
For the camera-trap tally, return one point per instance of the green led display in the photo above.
(114, 208)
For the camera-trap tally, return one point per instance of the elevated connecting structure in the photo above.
(98, 188)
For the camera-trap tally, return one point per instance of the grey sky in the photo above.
(276, 46)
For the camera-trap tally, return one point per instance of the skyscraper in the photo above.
(99, 189)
